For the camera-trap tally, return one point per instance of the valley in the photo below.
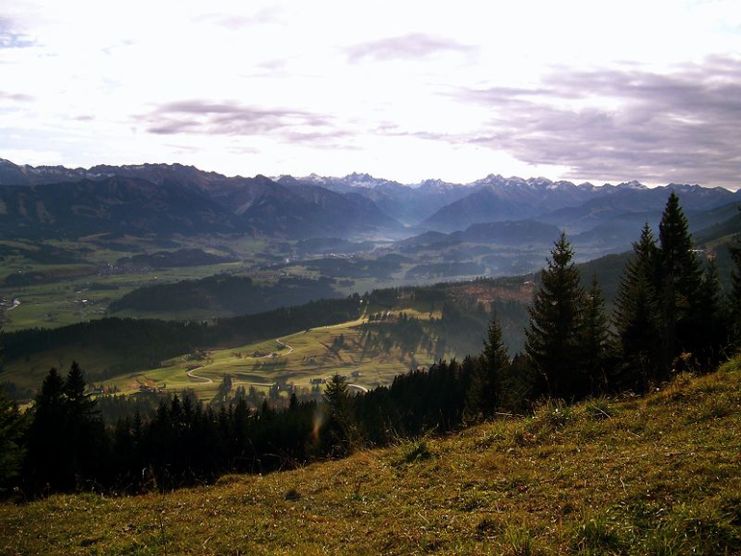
(293, 363)
(387, 333)
(397, 278)
(247, 246)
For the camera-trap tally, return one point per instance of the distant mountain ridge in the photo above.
(184, 199)
(256, 205)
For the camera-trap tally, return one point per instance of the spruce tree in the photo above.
(594, 342)
(712, 334)
(12, 424)
(338, 431)
(637, 316)
(85, 426)
(483, 393)
(734, 300)
(12, 429)
(46, 466)
(551, 338)
(680, 282)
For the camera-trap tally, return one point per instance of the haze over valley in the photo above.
(370, 278)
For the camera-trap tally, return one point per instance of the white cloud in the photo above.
(92, 78)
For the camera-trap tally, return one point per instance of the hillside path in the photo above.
(192, 374)
(285, 345)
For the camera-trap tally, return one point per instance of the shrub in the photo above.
(600, 408)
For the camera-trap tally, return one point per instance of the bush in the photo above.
(416, 451)
(600, 408)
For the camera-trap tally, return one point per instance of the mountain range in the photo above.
(173, 198)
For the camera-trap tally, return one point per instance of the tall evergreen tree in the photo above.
(679, 286)
(735, 295)
(519, 384)
(637, 316)
(712, 336)
(551, 338)
(45, 465)
(337, 433)
(12, 424)
(594, 341)
(85, 434)
(484, 395)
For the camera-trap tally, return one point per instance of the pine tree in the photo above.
(594, 342)
(551, 338)
(680, 281)
(222, 393)
(734, 300)
(79, 404)
(711, 337)
(483, 393)
(45, 465)
(338, 431)
(637, 316)
(12, 429)
(80, 420)
(12, 424)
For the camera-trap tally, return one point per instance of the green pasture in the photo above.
(294, 359)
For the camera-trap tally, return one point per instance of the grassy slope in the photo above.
(310, 358)
(657, 476)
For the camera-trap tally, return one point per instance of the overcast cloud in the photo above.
(683, 126)
(599, 91)
(414, 45)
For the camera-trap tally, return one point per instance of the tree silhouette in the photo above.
(12, 425)
(484, 391)
(12, 429)
(637, 316)
(551, 338)
(337, 433)
(680, 279)
(712, 336)
(734, 301)
(46, 464)
(594, 343)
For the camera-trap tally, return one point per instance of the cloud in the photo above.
(11, 36)
(236, 22)
(413, 45)
(230, 118)
(15, 97)
(680, 126)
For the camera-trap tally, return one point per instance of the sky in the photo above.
(405, 90)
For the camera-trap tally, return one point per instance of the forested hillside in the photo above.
(657, 475)
(669, 318)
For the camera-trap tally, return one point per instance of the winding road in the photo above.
(205, 380)
(191, 373)
(285, 345)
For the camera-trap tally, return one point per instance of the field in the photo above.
(658, 475)
(297, 359)
(81, 286)
(54, 283)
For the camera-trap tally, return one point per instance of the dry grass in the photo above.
(658, 475)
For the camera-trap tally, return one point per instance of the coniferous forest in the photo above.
(670, 315)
